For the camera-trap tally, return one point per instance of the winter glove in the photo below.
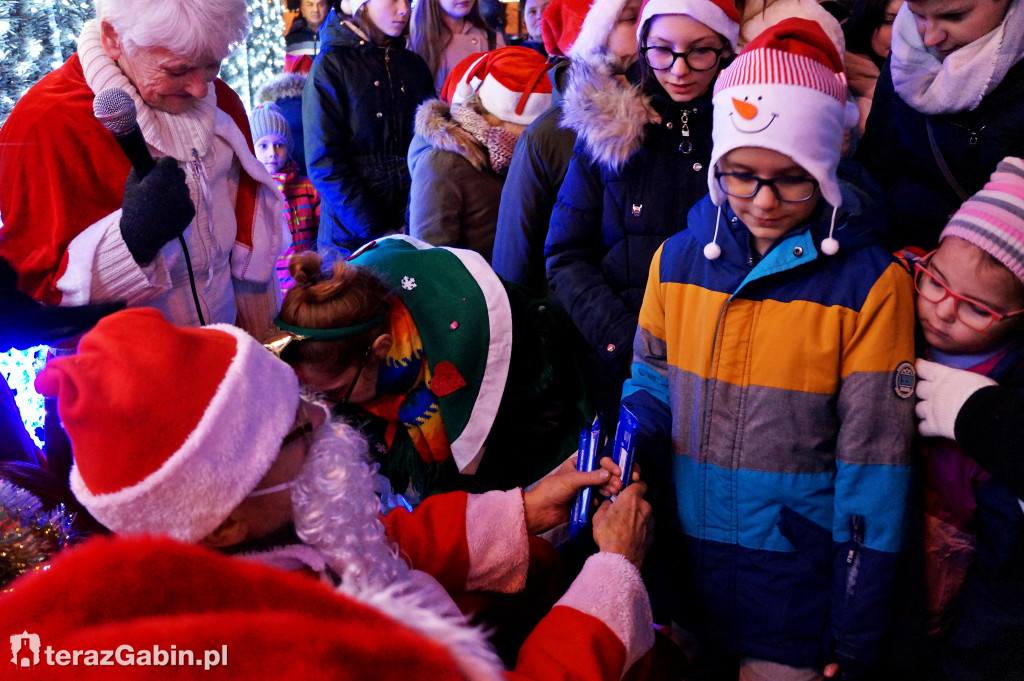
(941, 393)
(156, 209)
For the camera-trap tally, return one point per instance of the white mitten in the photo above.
(941, 392)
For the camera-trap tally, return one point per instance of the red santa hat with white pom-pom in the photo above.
(511, 83)
(171, 428)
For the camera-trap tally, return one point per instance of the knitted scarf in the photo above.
(960, 81)
(498, 141)
(404, 395)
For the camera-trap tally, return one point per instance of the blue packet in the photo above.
(590, 441)
(624, 448)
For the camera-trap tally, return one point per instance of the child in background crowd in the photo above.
(357, 116)
(640, 164)
(463, 145)
(603, 31)
(971, 309)
(301, 200)
(773, 381)
(444, 32)
(531, 11)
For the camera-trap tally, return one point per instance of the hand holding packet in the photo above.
(624, 447)
(586, 460)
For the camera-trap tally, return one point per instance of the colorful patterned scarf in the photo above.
(403, 396)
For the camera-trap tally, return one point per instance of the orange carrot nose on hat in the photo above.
(170, 427)
(511, 82)
(786, 91)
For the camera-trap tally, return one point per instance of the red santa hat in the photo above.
(577, 28)
(238, 619)
(170, 427)
(511, 83)
(786, 92)
(721, 16)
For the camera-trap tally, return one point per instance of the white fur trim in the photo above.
(497, 565)
(502, 102)
(597, 26)
(421, 603)
(232, 447)
(259, 262)
(704, 11)
(467, 85)
(609, 588)
(803, 123)
(75, 284)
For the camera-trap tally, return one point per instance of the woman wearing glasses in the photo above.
(640, 163)
(970, 306)
(458, 381)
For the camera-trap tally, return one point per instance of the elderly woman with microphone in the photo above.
(88, 217)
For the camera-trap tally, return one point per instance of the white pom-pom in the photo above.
(712, 251)
(829, 246)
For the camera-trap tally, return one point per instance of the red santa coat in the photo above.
(144, 593)
(62, 171)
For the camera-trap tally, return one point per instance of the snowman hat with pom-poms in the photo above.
(787, 92)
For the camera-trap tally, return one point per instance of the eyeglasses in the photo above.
(973, 314)
(355, 380)
(746, 186)
(698, 59)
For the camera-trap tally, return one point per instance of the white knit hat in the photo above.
(170, 427)
(786, 92)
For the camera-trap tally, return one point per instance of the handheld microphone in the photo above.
(115, 109)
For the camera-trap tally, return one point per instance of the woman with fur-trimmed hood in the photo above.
(640, 162)
(463, 145)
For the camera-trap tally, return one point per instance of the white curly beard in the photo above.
(336, 510)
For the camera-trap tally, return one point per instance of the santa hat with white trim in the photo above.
(786, 91)
(721, 16)
(170, 428)
(511, 83)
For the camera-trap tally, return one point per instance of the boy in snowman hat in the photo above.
(773, 368)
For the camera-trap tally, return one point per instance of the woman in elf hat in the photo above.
(641, 161)
(947, 108)
(357, 112)
(459, 382)
(464, 143)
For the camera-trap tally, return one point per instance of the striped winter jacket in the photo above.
(301, 215)
(786, 390)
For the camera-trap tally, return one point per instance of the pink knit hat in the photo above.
(993, 219)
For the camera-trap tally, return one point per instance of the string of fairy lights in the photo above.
(37, 36)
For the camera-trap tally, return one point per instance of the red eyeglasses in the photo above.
(974, 314)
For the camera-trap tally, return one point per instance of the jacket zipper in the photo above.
(854, 554)
(685, 146)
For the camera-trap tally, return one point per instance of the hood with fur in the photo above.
(607, 113)
(285, 86)
(436, 129)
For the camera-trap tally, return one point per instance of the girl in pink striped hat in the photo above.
(970, 306)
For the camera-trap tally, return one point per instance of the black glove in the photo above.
(155, 209)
